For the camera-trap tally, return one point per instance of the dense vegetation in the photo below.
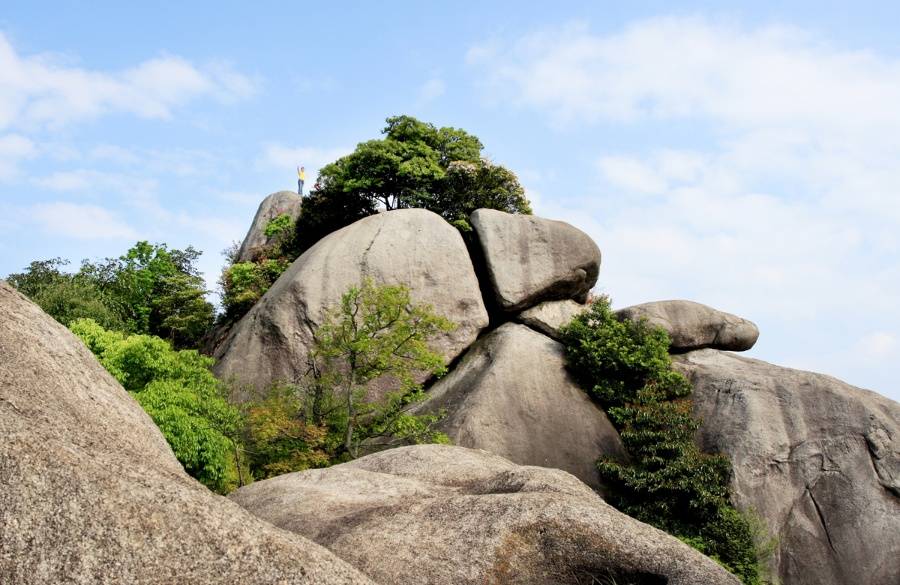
(179, 393)
(148, 290)
(243, 283)
(415, 165)
(376, 335)
(667, 481)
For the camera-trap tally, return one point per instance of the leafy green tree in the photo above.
(415, 165)
(178, 391)
(377, 333)
(156, 290)
(64, 296)
(666, 481)
(375, 336)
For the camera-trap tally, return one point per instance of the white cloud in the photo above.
(14, 148)
(83, 222)
(783, 202)
(432, 89)
(681, 67)
(279, 156)
(97, 182)
(39, 90)
(631, 174)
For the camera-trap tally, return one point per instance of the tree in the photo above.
(376, 335)
(414, 165)
(65, 297)
(156, 290)
(666, 481)
(178, 391)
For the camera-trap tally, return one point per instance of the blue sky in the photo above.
(743, 157)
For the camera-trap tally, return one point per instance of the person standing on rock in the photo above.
(301, 178)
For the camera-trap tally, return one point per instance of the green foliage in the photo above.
(415, 165)
(179, 393)
(150, 289)
(244, 283)
(63, 296)
(377, 335)
(667, 481)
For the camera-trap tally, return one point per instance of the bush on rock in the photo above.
(667, 482)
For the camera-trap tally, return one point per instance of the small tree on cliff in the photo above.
(375, 335)
(415, 165)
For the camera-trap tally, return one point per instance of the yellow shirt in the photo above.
(302, 175)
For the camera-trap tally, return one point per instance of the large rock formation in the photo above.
(511, 395)
(282, 202)
(91, 493)
(694, 326)
(818, 459)
(413, 247)
(550, 317)
(440, 515)
(530, 259)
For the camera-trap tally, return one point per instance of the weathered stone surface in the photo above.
(441, 515)
(91, 493)
(549, 317)
(530, 259)
(695, 326)
(818, 459)
(271, 207)
(413, 247)
(511, 395)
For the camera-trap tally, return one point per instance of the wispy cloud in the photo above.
(14, 148)
(39, 90)
(83, 222)
(280, 156)
(432, 89)
(783, 204)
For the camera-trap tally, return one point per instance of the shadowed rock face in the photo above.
(530, 259)
(441, 515)
(413, 247)
(694, 326)
(91, 493)
(818, 459)
(271, 207)
(511, 395)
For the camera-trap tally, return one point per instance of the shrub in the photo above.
(244, 283)
(179, 393)
(667, 481)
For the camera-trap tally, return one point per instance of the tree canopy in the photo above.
(415, 165)
(150, 289)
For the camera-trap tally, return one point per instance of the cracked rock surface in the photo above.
(816, 458)
(413, 247)
(442, 515)
(90, 491)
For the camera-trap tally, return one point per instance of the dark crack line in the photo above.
(821, 519)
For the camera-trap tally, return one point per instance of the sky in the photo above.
(745, 157)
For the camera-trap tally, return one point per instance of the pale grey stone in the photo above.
(90, 491)
(412, 247)
(442, 515)
(511, 395)
(551, 316)
(530, 259)
(694, 326)
(817, 459)
(282, 202)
